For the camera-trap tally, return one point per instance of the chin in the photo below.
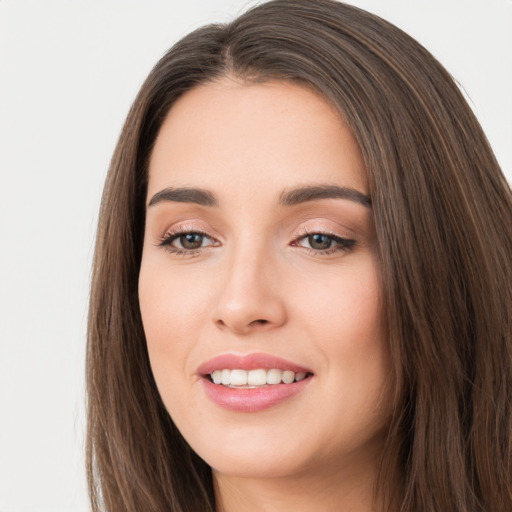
(258, 464)
(252, 452)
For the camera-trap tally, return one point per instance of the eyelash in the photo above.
(341, 244)
(169, 238)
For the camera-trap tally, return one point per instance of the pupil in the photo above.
(319, 241)
(191, 240)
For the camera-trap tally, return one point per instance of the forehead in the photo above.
(276, 133)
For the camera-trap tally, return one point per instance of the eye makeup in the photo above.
(322, 243)
(188, 241)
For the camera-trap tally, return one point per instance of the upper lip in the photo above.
(248, 362)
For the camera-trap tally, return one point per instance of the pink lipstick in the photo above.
(252, 382)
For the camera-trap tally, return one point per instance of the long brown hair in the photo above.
(443, 215)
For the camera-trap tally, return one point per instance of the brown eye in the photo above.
(187, 242)
(320, 242)
(191, 240)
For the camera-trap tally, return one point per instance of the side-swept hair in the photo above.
(443, 216)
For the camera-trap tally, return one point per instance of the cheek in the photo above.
(361, 326)
(170, 304)
(165, 311)
(170, 314)
(347, 322)
(346, 306)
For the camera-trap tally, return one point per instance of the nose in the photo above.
(250, 298)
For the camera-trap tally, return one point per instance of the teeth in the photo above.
(300, 376)
(288, 377)
(274, 376)
(256, 377)
(253, 378)
(238, 378)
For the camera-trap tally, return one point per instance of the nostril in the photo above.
(260, 321)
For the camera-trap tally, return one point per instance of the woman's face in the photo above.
(260, 266)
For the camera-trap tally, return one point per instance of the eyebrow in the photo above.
(291, 197)
(185, 195)
(313, 193)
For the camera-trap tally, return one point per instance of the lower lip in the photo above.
(252, 400)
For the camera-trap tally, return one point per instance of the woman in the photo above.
(301, 293)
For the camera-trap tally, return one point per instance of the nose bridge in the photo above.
(249, 296)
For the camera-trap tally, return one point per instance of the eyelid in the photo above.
(176, 231)
(171, 236)
(342, 243)
(189, 226)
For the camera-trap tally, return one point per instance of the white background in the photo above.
(69, 71)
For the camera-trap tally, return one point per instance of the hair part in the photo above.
(443, 217)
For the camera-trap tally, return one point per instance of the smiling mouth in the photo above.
(252, 379)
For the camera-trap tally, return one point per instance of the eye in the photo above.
(190, 240)
(186, 242)
(319, 242)
(324, 243)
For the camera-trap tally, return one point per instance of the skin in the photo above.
(255, 284)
